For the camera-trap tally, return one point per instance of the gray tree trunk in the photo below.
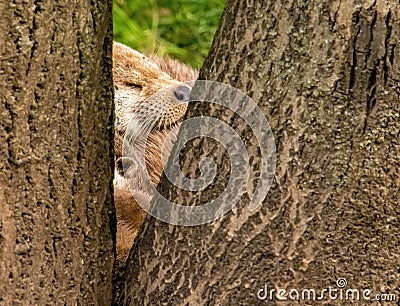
(326, 75)
(56, 136)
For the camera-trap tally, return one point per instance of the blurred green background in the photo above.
(179, 29)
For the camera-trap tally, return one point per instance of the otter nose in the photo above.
(182, 93)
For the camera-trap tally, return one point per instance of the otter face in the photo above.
(136, 80)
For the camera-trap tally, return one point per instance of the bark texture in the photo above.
(326, 75)
(56, 136)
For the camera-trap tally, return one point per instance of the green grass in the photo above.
(179, 29)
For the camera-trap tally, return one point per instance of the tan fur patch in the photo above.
(144, 90)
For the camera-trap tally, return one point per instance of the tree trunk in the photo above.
(56, 136)
(326, 75)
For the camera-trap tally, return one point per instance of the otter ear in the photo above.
(123, 163)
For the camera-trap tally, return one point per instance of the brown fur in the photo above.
(175, 69)
(146, 87)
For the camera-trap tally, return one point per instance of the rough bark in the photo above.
(326, 75)
(56, 136)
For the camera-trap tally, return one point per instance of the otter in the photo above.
(149, 90)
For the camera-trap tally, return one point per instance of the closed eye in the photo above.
(134, 85)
